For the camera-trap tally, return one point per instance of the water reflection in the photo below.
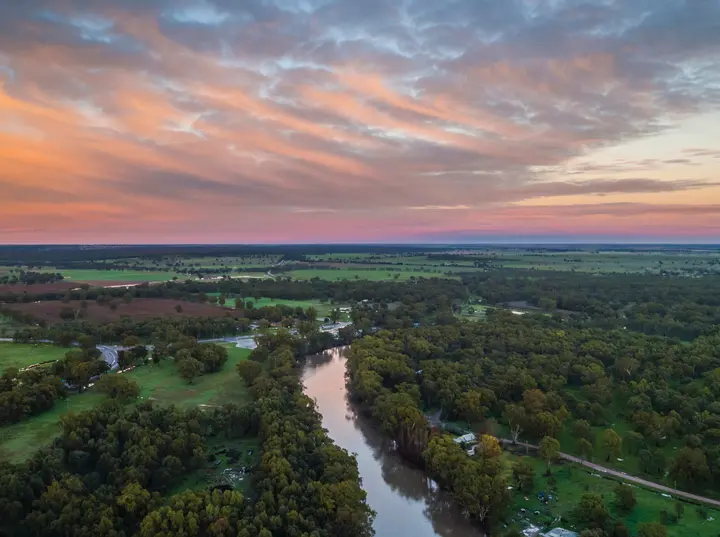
(406, 501)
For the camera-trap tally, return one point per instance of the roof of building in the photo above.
(469, 437)
(559, 532)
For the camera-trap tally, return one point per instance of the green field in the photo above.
(323, 308)
(160, 383)
(572, 481)
(163, 384)
(119, 275)
(20, 440)
(378, 274)
(22, 355)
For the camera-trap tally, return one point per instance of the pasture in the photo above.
(370, 273)
(22, 355)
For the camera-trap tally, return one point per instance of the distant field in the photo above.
(323, 309)
(572, 481)
(362, 274)
(138, 308)
(19, 288)
(118, 275)
(160, 383)
(21, 355)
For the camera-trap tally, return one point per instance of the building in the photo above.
(469, 438)
(559, 532)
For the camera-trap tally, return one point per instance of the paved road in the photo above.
(624, 476)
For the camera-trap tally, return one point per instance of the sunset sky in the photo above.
(239, 121)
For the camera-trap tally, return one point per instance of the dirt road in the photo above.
(624, 476)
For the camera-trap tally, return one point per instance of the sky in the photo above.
(298, 121)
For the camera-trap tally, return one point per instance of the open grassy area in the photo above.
(323, 308)
(163, 384)
(119, 275)
(572, 481)
(22, 355)
(160, 383)
(20, 440)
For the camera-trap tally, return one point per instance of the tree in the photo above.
(689, 468)
(612, 443)
(652, 529)
(679, 510)
(625, 499)
(591, 510)
(128, 297)
(549, 451)
(469, 406)
(581, 429)
(311, 314)
(523, 475)
(131, 341)
(335, 315)
(118, 387)
(585, 449)
(249, 370)
(239, 304)
(178, 308)
(189, 368)
(633, 442)
(488, 446)
(222, 300)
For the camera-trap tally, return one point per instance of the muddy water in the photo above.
(406, 502)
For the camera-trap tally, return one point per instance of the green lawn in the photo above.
(163, 384)
(22, 355)
(572, 481)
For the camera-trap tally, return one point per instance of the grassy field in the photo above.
(362, 274)
(163, 384)
(160, 383)
(323, 308)
(572, 481)
(20, 440)
(119, 275)
(22, 355)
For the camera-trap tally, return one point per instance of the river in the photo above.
(406, 501)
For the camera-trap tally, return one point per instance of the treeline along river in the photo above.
(406, 501)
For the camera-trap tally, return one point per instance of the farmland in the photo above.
(139, 308)
(372, 274)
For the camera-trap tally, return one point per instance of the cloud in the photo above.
(126, 116)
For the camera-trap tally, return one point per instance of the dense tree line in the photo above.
(305, 485)
(653, 304)
(107, 473)
(148, 329)
(27, 393)
(29, 277)
(539, 377)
